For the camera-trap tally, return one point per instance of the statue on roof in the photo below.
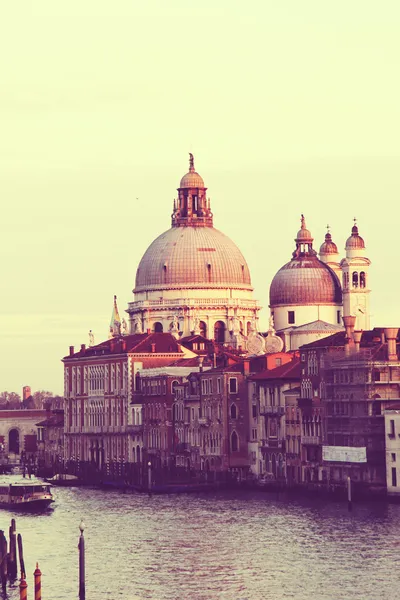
(91, 339)
(124, 327)
(191, 162)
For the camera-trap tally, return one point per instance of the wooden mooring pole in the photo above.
(81, 547)
(21, 555)
(23, 594)
(12, 562)
(3, 566)
(349, 502)
(38, 583)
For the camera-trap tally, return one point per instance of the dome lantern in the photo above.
(303, 241)
(192, 208)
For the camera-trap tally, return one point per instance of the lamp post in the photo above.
(149, 477)
(81, 548)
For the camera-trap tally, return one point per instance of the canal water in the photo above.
(228, 546)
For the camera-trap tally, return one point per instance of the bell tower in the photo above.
(355, 280)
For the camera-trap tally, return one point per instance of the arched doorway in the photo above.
(138, 454)
(158, 327)
(13, 441)
(234, 442)
(219, 332)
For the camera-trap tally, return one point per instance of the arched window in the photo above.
(203, 329)
(158, 327)
(355, 279)
(13, 441)
(248, 327)
(363, 280)
(138, 454)
(233, 411)
(234, 442)
(219, 332)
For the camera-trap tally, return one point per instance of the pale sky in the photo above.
(288, 107)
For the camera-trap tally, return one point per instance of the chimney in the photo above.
(246, 367)
(349, 323)
(357, 339)
(148, 331)
(71, 350)
(391, 336)
(383, 339)
(123, 345)
(153, 347)
(201, 359)
(83, 348)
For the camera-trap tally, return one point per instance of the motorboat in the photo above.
(64, 479)
(25, 494)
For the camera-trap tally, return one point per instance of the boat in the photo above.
(64, 479)
(25, 495)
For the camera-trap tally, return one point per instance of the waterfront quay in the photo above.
(230, 545)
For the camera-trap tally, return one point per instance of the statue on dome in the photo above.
(138, 325)
(124, 327)
(271, 324)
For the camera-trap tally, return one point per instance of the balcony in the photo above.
(134, 428)
(204, 421)
(183, 447)
(311, 440)
(273, 443)
(272, 410)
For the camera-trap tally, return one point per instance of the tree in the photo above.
(40, 397)
(10, 400)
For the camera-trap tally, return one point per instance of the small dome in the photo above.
(328, 247)
(305, 280)
(192, 180)
(355, 240)
(192, 257)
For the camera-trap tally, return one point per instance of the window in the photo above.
(254, 410)
(393, 456)
(234, 442)
(338, 317)
(291, 317)
(278, 362)
(362, 279)
(394, 476)
(355, 279)
(233, 411)
(218, 385)
(232, 385)
(392, 431)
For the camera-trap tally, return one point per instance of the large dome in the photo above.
(192, 257)
(305, 280)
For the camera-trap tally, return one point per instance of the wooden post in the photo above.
(38, 583)
(21, 555)
(349, 493)
(12, 567)
(81, 546)
(23, 594)
(3, 566)
(149, 477)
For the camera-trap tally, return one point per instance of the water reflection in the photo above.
(241, 546)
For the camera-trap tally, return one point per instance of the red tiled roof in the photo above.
(290, 370)
(52, 421)
(369, 339)
(135, 343)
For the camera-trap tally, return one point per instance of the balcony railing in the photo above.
(272, 410)
(134, 428)
(272, 443)
(204, 421)
(311, 440)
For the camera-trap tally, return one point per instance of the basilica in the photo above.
(193, 280)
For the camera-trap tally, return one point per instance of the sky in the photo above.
(288, 107)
